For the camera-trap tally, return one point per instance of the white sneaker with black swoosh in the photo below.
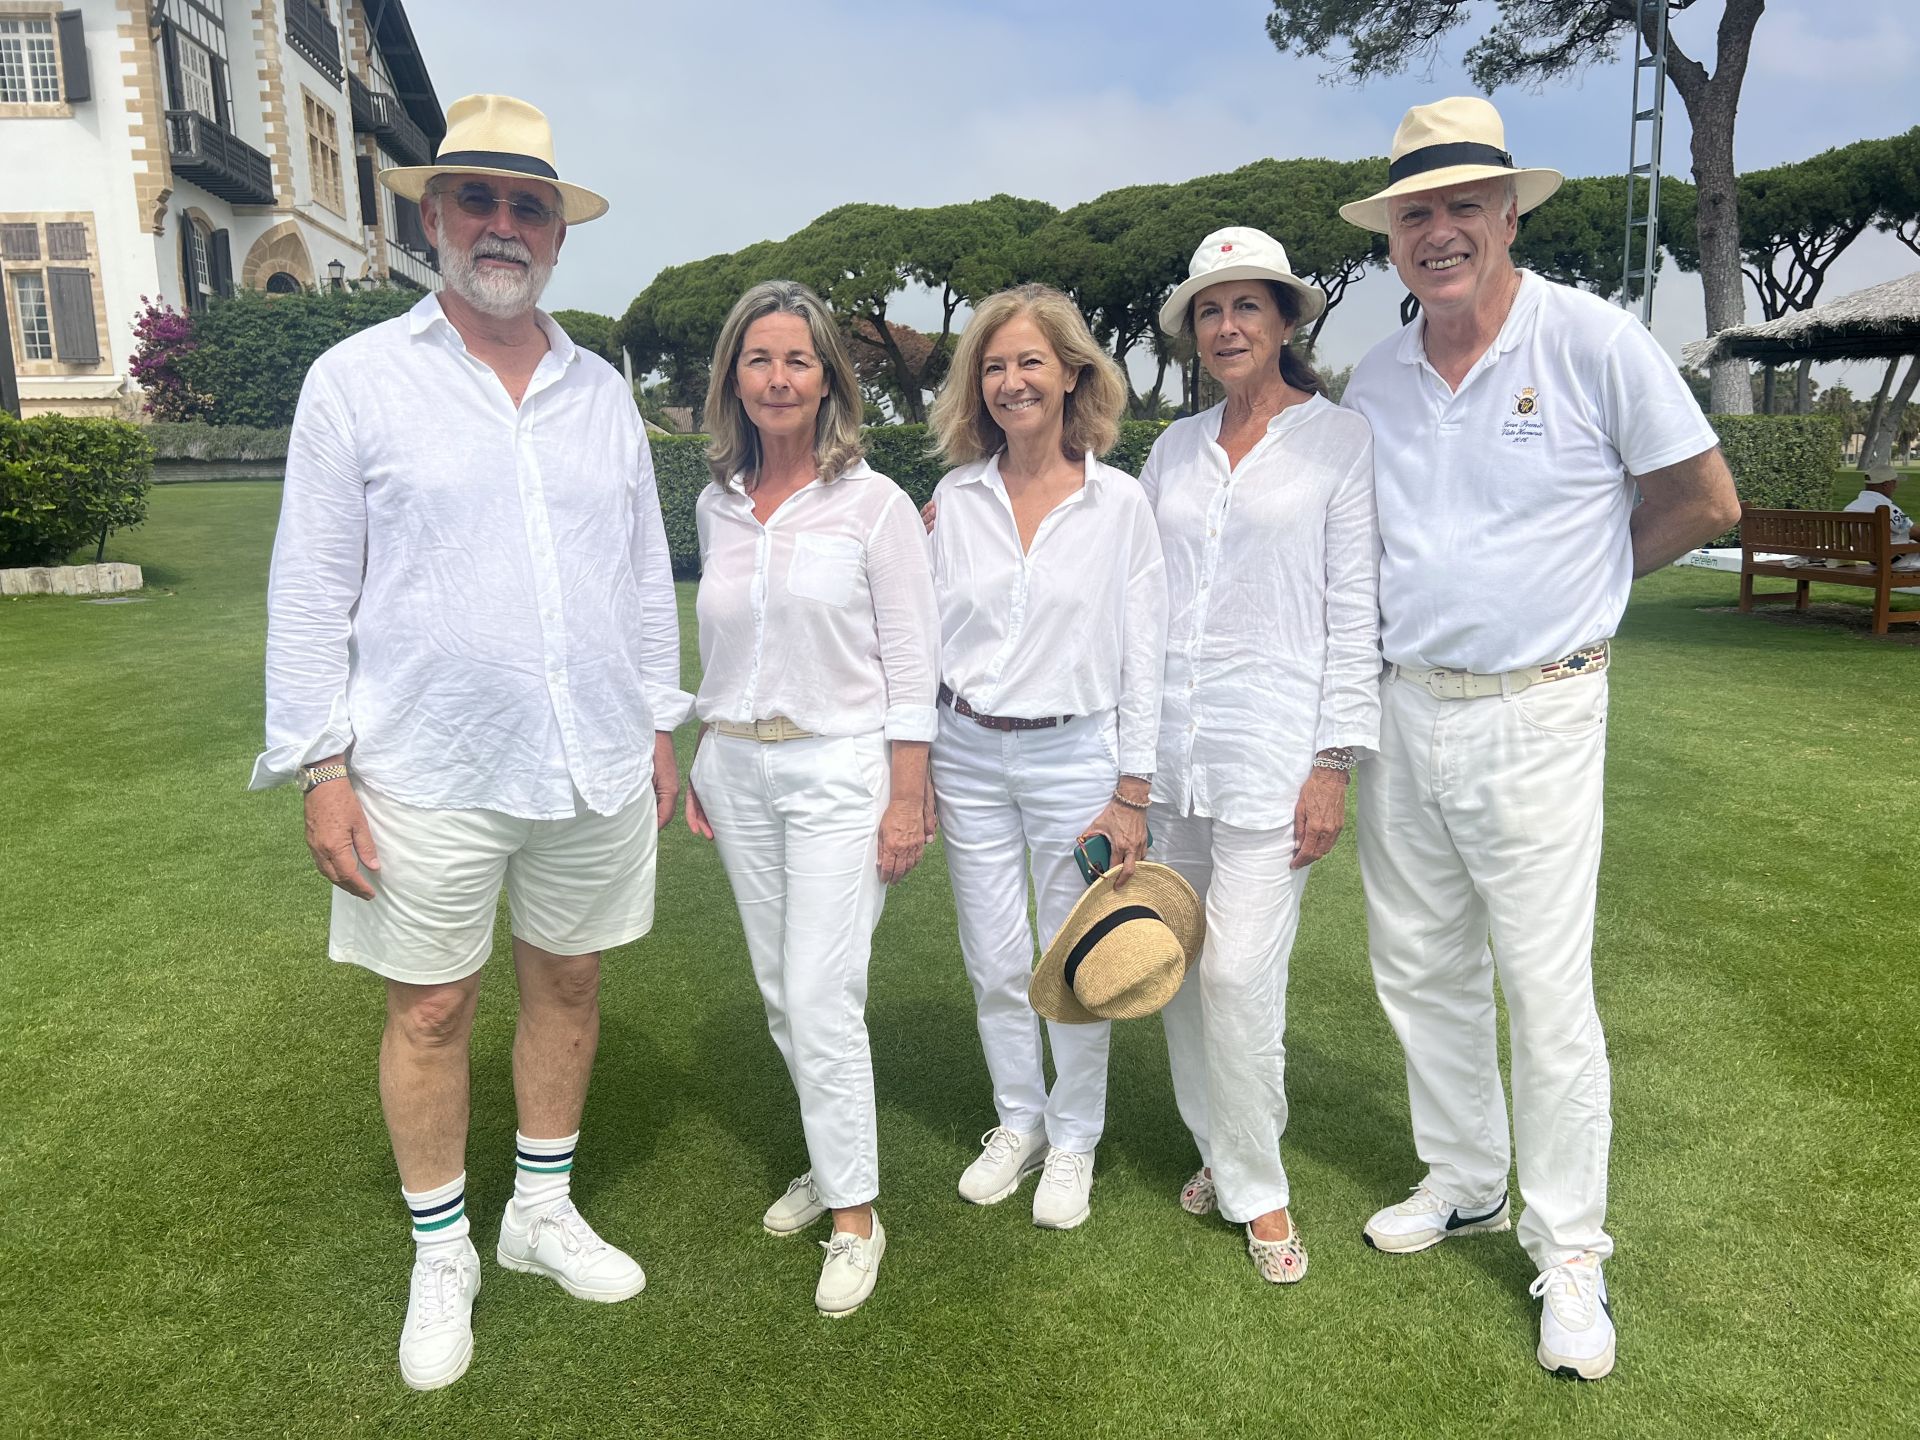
(1576, 1323)
(1423, 1220)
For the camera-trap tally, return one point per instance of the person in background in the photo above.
(819, 641)
(1877, 494)
(1052, 600)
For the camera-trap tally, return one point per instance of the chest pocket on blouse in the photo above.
(824, 568)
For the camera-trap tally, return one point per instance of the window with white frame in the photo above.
(30, 315)
(29, 62)
(197, 90)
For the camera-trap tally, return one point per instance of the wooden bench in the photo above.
(1861, 540)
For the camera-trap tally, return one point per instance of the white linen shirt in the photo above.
(825, 614)
(476, 599)
(1899, 527)
(1272, 648)
(1074, 625)
(1505, 505)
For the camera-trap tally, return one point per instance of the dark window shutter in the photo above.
(66, 240)
(76, 338)
(19, 241)
(73, 56)
(369, 192)
(220, 264)
(189, 288)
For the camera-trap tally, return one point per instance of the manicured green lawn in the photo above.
(203, 1234)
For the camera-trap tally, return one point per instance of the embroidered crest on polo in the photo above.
(1526, 402)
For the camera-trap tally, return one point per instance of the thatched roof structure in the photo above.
(1881, 322)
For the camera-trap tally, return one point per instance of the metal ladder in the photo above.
(1643, 139)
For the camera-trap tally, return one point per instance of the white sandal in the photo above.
(1280, 1262)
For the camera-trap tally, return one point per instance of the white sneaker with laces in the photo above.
(557, 1242)
(848, 1273)
(1423, 1220)
(795, 1210)
(1576, 1323)
(1006, 1158)
(436, 1343)
(1060, 1200)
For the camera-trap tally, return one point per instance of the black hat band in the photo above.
(1098, 931)
(1441, 157)
(498, 160)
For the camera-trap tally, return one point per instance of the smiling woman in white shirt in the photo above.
(818, 641)
(1265, 510)
(1053, 627)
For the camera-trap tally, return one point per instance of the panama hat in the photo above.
(497, 135)
(1238, 252)
(1122, 953)
(1450, 142)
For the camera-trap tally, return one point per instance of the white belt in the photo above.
(1444, 684)
(765, 731)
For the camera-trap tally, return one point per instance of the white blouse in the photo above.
(1273, 647)
(1077, 625)
(825, 614)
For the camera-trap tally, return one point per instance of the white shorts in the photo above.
(574, 886)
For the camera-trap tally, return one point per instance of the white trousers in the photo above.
(1480, 819)
(1012, 803)
(798, 824)
(1226, 1025)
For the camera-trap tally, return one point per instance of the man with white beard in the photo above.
(473, 671)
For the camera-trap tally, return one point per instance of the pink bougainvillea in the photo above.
(165, 335)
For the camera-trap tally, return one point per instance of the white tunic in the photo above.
(1272, 648)
(1504, 506)
(825, 614)
(477, 599)
(1075, 625)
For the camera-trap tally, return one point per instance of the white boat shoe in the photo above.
(795, 1210)
(848, 1273)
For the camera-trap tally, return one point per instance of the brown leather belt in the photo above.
(999, 722)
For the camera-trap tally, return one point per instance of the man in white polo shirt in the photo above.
(473, 667)
(1513, 422)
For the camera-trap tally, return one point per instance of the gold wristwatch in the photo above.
(312, 775)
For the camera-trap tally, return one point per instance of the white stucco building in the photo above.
(181, 149)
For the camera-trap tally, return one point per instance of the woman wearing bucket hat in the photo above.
(818, 639)
(1053, 625)
(1265, 510)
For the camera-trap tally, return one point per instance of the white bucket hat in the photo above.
(1450, 142)
(497, 135)
(1238, 252)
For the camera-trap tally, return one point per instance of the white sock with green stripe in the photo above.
(439, 1214)
(542, 1171)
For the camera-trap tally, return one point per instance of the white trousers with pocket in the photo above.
(797, 823)
(1226, 1026)
(1480, 822)
(1012, 803)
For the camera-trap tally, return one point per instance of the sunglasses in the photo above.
(479, 202)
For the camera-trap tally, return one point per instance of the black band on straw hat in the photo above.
(497, 160)
(1441, 157)
(1098, 931)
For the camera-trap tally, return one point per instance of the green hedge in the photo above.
(193, 440)
(67, 482)
(900, 452)
(251, 352)
(1779, 462)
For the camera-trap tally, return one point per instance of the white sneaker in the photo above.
(1060, 1200)
(557, 1242)
(1423, 1220)
(1576, 1323)
(1006, 1158)
(795, 1210)
(848, 1273)
(436, 1343)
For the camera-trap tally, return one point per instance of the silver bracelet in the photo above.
(1336, 758)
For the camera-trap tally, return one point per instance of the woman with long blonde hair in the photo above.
(1052, 631)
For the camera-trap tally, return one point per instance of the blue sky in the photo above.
(714, 125)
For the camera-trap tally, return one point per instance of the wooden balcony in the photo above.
(218, 162)
(315, 38)
(377, 113)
